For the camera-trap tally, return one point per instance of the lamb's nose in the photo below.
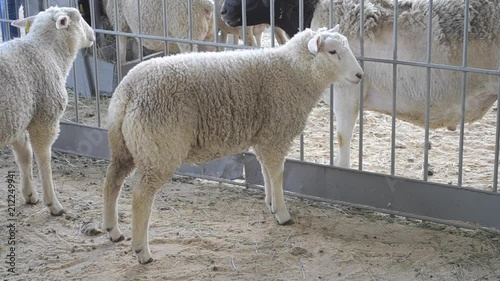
(359, 75)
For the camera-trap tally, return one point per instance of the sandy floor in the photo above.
(209, 231)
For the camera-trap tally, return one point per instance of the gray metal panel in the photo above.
(93, 142)
(386, 193)
(107, 80)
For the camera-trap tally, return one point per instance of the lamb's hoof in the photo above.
(283, 217)
(121, 238)
(58, 214)
(144, 257)
(146, 262)
(32, 200)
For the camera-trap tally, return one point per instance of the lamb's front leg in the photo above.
(24, 158)
(346, 106)
(42, 140)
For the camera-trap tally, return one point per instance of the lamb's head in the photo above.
(65, 22)
(333, 57)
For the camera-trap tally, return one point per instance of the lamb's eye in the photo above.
(333, 52)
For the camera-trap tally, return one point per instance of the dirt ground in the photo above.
(208, 231)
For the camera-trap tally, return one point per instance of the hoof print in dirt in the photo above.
(91, 229)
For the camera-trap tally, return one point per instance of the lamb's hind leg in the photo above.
(42, 140)
(118, 170)
(142, 202)
(24, 158)
(272, 161)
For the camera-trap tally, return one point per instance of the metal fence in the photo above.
(453, 204)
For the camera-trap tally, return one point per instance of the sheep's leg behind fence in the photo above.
(42, 140)
(24, 158)
(272, 161)
(346, 108)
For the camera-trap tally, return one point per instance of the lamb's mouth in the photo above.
(354, 82)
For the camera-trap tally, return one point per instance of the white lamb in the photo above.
(33, 71)
(152, 22)
(447, 42)
(195, 107)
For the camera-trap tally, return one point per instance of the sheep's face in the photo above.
(334, 57)
(67, 22)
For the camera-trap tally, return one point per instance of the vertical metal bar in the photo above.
(75, 82)
(190, 19)
(332, 119)
(428, 91)
(394, 88)
(273, 20)
(301, 27)
(117, 42)
(140, 29)
(7, 18)
(96, 69)
(464, 89)
(165, 26)
(497, 139)
(216, 22)
(361, 103)
(244, 22)
(497, 145)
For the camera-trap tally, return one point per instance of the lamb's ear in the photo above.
(335, 29)
(314, 44)
(62, 21)
(21, 23)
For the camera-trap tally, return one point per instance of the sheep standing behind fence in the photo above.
(195, 107)
(151, 12)
(33, 97)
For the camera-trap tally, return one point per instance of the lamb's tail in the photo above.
(116, 115)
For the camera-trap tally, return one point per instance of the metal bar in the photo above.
(301, 27)
(117, 42)
(216, 22)
(243, 22)
(141, 50)
(165, 25)
(75, 88)
(394, 89)
(96, 68)
(464, 90)
(190, 19)
(273, 20)
(497, 144)
(332, 93)
(428, 91)
(173, 39)
(362, 85)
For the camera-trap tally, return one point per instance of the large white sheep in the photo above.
(447, 42)
(152, 22)
(192, 108)
(33, 71)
